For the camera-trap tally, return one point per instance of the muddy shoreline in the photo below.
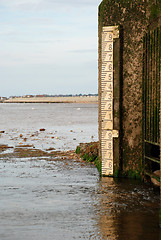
(29, 152)
(25, 151)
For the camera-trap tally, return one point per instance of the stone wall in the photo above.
(134, 18)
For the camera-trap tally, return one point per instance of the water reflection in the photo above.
(127, 209)
(65, 199)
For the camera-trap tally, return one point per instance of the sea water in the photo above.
(65, 125)
(43, 198)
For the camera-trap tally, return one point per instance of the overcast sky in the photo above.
(48, 46)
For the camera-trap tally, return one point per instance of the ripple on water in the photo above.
(67, 200)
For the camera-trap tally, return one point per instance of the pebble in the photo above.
(42, 129)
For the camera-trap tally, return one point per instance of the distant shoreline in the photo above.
(74, 99)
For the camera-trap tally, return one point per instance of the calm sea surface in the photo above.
(52, 199)
(66, 124)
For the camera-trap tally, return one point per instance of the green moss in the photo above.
(93, 159)
(154, 12)
(98, 165)
(116, 173)
(85, 157)
(89, 153)
(77, 151)
(128, 174)
(133, 174)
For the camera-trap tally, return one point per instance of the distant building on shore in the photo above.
(3, 99)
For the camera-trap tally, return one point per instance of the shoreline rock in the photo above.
(89, 152)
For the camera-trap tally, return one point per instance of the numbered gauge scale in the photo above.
(107, 83)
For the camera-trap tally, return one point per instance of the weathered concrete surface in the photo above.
(134, 18)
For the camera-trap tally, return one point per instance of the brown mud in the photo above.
(30, 151)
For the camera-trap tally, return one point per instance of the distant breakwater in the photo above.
(74, 99)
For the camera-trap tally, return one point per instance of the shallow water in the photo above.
(66, 125)
(64, 199)
(42, 199)
(128, 210)
(49, 198)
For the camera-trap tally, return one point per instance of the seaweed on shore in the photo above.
(89, 152)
